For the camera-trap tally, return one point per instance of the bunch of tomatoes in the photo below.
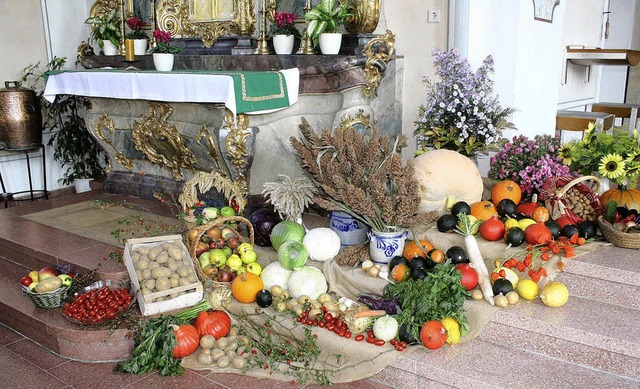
(98, 305)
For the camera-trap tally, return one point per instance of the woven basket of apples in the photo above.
(220, 251)
(48, 287)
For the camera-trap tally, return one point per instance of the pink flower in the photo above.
(162, 36)
(136, 23)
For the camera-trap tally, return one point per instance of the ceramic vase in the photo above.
(140, 46)
(163, 61)
(385, 245)
(330, 43)
(283, 44)
(350, 230)
(109, 48)
(82, 185)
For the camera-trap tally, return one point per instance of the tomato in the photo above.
(469, 276)
(433, 335)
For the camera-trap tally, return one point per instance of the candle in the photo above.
(129, 54)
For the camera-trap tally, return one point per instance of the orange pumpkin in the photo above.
(483, 210)
(412, 250)
(540, 214)
(506, 189)
(623, 196)
(400, 272)
(537, 233)
(245, 287)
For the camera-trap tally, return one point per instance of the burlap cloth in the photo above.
(361, 360)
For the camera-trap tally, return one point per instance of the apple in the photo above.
(213, 233)
(32, 286)
(244, 247)
(204, 259)
(66, 279)
(46, 272)
(218, 257)
(227, 251)
(34, 276)
(255, 268)
(26, 280)
(248, 256)
(210, 271)
(192, 234)
(227, 211)
(241, 269)
(225, 276)
(233, 242)
(213, 245)
(234, 262)
(201, 247)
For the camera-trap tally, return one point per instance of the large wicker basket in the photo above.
(554, 190)
(219, 222)
(618, 238)
(53, 299)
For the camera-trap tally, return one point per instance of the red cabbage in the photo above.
(263, 220)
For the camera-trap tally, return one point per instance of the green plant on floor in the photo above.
(73, 145)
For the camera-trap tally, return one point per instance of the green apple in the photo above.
(241, 269)
(204, 259)
(244, 247)
(227, 251)
(227, 211)
(218, 257)
(66, 279)
(255, 268)
(234, 262)
(248, 256)
(32, 286)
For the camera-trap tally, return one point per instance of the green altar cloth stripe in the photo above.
(254, 90)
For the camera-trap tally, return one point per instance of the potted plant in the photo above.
(73, 145)
(324, 21)
(163, 52)
(106, 31)
(138, 35)
(284, 32)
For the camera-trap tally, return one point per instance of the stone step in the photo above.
(483, 364)
(609, 263)
(593, 288)
(49, 327)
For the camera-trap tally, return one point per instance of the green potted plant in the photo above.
(163, 52)
(324, 21)
(106, 31)
(73, 145)
(283, 31)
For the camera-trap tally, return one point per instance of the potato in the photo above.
(153, 265)
(146, 274)
(163, 284)
(231, 354)
(163, 257)
(183, 282)
(222, 362)
(144, 250)
(153, 253)
(160, 272)
(48, 285)
(175, 252)
(172, 265)
(184, 271)
(193, 278)
(205, 357)
(139, 275)
(238, 362)
(150, 284)
(145, 291)
(222, 343)
(142, 264)
(167, 246)
(217, 353)
(174, 278)
(207, 342)
(234, 331)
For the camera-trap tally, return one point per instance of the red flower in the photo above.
(162, 36)
(136, 23)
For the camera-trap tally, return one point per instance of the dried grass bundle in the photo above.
(363, 175)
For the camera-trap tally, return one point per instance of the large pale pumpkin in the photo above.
(623, 196)
(445, 177)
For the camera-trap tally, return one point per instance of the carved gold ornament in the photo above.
(208, 19)
(104, 121)
(360, 118)
(378, 51)
(101, 7)
(161, 142)
(366, 14)
(235, 141)
(214, 153)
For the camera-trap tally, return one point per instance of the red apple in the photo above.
(192, 234)
(201, 247)
(46, 272)
(213, 233)
(26, 280)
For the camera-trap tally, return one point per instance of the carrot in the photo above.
(370, 313)
(465, 228)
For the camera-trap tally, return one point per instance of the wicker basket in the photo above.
(618, 238)
(219, 222)
(554, 190)
(53, 299)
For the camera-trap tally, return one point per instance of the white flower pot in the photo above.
(330, 43)
(82, 185)
(109, 48)
(163, 62)
(385, 245)
(283, 44)
(140, 46)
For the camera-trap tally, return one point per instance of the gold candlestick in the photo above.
(122, 22)
(263, 47)
(306, 46)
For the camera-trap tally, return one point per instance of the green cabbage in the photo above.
(284, 231)
(292, 254)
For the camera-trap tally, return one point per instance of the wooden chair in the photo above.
(619, 110)
(579, 121)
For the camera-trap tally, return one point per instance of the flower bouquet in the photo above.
(136, 25)
(163, 43)
(461, 113)
(284, 24)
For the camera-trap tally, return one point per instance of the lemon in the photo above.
(510, 275)
(510, 223)
(524, 223)
(554, 294)
(453, 329)
(527, 289)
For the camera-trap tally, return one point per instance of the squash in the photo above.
(215, 323)
(188, 340)
(444, 177)
(245, 287)
(506, 189)
(483, 210)
(623, 196)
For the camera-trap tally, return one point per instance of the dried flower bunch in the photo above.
(362, 175)
(462, 113)
(289, 197)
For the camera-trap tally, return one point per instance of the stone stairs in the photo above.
(593, 341)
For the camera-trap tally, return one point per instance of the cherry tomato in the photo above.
(359, 338)
(379, 342)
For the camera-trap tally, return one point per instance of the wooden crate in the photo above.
(147, 303)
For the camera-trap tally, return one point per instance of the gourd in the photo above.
(245, 287)
(623, 196)
(445, 177)
(216, 324)
(483, 210)
(322, 243)
(506, 189)
(188, 340)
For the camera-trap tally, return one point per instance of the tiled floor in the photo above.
(24, 363)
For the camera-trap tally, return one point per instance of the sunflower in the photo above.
(566, 153)
(612, 166)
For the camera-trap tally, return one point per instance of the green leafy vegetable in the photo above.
(437, 296)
